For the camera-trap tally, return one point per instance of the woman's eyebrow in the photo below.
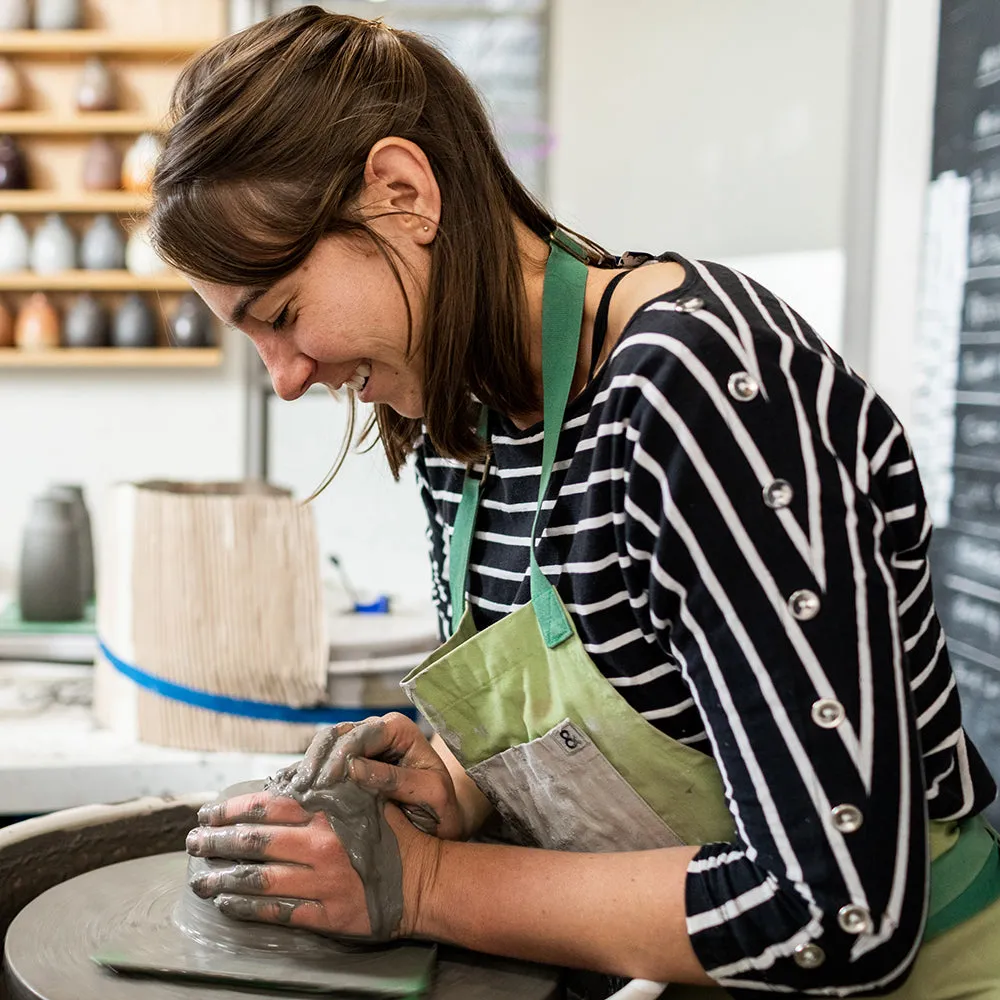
(248, 298)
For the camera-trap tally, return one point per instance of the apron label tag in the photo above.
(570, 738)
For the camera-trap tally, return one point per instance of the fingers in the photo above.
(296, 881)
(310, 766)
(259, 807)
(412, 788)
(250, 842)
(304, 913)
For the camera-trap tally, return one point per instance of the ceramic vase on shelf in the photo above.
(58, 15)
(140, 162)
(140, 257)
(15, 244)
(37, 325)
(81, 520)
(135, 324)
(53, 247)
(191, 323)
(6, 327)
(96, 90)
(15, 15)
(102, 166)
(103, 245)
(49, 588)
(13, 166)
(87, 324)
(11, 87)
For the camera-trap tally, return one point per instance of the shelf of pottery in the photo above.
(84, 88)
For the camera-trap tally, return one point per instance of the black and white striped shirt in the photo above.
(670, 543)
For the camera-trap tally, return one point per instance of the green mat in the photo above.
(11, 623)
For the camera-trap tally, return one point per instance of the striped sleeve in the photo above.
(769, 568)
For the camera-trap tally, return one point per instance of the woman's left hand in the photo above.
(289, 867)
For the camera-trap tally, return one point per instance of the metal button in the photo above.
(847, 818)
(809, 956)
(742, 387)
(854, 919)
(803, 604)
(690, 305)
(778, 494)
(828, 713)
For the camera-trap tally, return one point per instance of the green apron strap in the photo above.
(562, 317)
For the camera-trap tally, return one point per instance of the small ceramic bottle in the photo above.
(53, 248)
(81, 520)
(134, 325)
(102, 166)
(11, 87)
(14, 15)
(37, 325)
(96, 90)
(140, 163)
(87, 324)
(191, 324)
(103, 245)
(13, 166)
(49, 588)
(140, 257)
(6, 327)
(57, 15)
(15, 244)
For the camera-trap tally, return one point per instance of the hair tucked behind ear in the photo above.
(266, 154)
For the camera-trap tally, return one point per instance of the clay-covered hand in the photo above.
(290, 867)
(389, 755)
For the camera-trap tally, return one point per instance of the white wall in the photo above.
(99, 427)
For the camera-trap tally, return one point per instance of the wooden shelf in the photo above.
(92, 281)
(82, 123)
(84, 43)
(112, 357)
(73, 201)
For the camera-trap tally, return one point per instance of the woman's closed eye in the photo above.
(280, 320)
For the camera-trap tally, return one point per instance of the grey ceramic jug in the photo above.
(96, 90)
(49, 581)
(191, 324)
(81, 519)
(135, 324)
(15, 244)
(103, 245)
(57, 15)
(87, 324)
(53, 247)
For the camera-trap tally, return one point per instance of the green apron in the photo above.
(564, 758)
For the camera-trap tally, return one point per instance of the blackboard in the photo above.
(965, 555)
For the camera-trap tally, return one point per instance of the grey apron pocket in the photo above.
(561, 793)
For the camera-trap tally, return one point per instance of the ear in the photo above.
(399, 178)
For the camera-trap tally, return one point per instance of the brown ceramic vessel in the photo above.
(37, 324)
(6, 327)
(102, 166)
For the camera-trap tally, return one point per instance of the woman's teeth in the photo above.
(359, 379)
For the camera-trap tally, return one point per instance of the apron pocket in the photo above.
(561, 793)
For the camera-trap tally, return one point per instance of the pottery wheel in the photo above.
(49, 947)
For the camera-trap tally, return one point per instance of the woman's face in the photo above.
(339, 318)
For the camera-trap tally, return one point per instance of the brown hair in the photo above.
(266, 154)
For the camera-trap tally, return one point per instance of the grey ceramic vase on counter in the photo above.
(53, 247)
(85, 540)
(191, 325)
(58, 15)
(135, 324)
(49, 587)
(103, 245)
(87, 324)
(96, 90)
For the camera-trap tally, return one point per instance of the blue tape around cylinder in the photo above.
(243, 707)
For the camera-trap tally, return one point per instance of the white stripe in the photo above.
(669, 711)
(540, 436)
(610, 429)
(898, 468)
(482, 602)
(935, 706)
(861, 473)
(497, 573)
(732, 908)
(523, 541)
(529, 506)
(731, 339)
(916, 592)
(932, 792)
(901, 513)
(929, 669)
(914, 639)
(616, 643)
(586, 524)
(708, 864)
(528, 470)
(436, 462)
(645, 677)
(609, 602)
(906, 563)
(882, 452)
(447, 496)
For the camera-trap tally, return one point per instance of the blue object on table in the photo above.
(380, 606)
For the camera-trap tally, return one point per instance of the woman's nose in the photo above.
(290, 370)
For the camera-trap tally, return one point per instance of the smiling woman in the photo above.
(255, 185)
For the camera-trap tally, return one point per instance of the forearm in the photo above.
(617, 913)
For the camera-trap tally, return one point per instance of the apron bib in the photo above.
(568, 763)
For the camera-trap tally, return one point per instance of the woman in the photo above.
(699, 660)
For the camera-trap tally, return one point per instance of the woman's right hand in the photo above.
(390, 755)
